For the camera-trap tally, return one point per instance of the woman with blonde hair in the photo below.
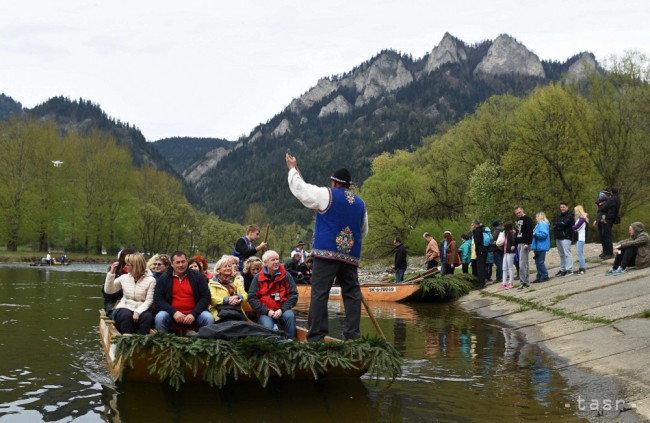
(541, 244)
(581, 225)
(252, 266)
(158, 264)
(227, 293)
(132, 313)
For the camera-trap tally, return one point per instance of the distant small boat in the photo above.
(409, 290)
(39, 264)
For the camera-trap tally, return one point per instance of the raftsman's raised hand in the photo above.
(291, 161)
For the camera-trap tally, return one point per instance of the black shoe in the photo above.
(560, 273)
(581, 271)
(607, 256)
(568, 273)
(546, 279)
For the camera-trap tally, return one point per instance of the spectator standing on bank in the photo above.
(400, 260)
(432, 252)
(465, 251)
(523, 239)
(580, 227)
(541, 244)
(563, 239)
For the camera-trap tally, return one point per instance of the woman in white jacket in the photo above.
(133, 313)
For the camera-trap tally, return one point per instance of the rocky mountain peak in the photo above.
(339, 105)
(581, 67)
(450, 50)
(323, 88)
(508, 56)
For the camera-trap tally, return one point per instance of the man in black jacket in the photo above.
(479, 265)
(563, 238)
(523, 239)
(400, 260)
(181, 295)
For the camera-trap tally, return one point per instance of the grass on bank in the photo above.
(524, 303)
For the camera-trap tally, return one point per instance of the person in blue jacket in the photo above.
(541, 244)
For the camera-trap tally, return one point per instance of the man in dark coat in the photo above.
(182, 296)
(480, 265)
(400, 260)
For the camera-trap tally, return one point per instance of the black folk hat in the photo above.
(342, 176)
(301, 243)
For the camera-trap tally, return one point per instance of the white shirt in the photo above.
(316, 198)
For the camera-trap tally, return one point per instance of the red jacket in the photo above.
(272, 292)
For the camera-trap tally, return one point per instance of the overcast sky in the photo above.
(218, 68)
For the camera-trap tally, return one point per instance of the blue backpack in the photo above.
(487, 237)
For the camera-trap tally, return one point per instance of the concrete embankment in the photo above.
(593, 326)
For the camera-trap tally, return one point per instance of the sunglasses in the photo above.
(157, 264)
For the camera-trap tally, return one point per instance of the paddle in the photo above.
(372, 318)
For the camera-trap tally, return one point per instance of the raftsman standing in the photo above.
(341, 223)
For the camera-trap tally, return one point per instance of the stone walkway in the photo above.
(592, 324)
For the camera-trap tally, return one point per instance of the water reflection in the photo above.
(457, 367)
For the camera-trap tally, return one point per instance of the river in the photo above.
(458, 368)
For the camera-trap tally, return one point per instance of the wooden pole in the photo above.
(372, 318)
(266, 235)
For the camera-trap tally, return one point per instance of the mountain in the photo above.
(387, 103)
(8, 107)
(83, 115)
(181, 152)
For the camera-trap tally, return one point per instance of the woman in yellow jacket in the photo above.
(227, 293)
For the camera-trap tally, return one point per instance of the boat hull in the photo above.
(137, 369)
(374, 292)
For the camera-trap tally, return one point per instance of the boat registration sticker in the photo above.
(335, 290)
(382, 289)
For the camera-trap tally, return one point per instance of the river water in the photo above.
(458, 368)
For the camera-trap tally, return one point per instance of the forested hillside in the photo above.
(561, 142)
(181, 152)
(339, 124)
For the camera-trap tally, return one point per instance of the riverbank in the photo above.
(31, 258)
(595, 326)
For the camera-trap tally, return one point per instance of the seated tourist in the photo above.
(292, 264)
(227, 293)
(158, 264)
(632, 252)
(133, 312)
(204, 265)
(273, 294)
(181, 296)
(252, 267)
(194, 264)
(112, 299)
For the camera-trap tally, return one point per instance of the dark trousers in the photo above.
(479, 270)
(324, 273)
(626, 258)
(605, 233)
(431, 264)
(124, 321)
(448, 269)
(465, 267)
(497, 259)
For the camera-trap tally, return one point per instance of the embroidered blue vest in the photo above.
(337, 235)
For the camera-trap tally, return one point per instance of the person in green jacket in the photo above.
(465, 251)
